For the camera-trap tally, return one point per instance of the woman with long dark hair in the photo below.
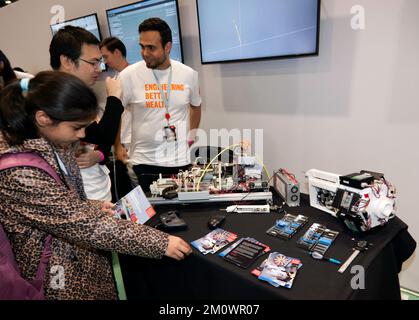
(46, 116)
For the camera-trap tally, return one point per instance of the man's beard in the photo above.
(158, 63)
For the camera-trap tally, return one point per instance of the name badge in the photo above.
(170, 133)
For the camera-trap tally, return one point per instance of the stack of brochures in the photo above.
(244, 252)
(214, 241)
(278, 270)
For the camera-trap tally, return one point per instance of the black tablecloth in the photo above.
(210, 277)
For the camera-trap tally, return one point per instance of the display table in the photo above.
(210, 277)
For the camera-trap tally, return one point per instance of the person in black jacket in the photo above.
(7, 74)
(122, 176)
(76, 51)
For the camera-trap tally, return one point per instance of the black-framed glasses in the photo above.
(94, 64)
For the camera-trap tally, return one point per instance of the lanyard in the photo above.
(61, 164)
(166, 101)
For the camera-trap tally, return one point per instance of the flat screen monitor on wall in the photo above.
(89, 23)
(238, 30)
(124, 21)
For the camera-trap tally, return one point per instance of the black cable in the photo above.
(114, 174)
(158, 225)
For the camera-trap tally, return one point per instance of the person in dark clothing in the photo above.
(76, 51)
(114, 55)
(7, 74)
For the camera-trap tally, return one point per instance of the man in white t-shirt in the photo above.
(165, 103)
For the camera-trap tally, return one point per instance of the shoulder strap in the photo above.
(6, 249)
(29, 159)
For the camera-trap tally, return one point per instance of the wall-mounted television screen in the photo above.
(89, 23)
(238, 30)
(124, 21)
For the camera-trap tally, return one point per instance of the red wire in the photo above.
(291, 176)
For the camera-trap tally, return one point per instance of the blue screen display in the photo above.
(124, 21)
(90, 23)
(232, 30)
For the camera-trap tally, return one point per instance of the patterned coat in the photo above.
(33, 205)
